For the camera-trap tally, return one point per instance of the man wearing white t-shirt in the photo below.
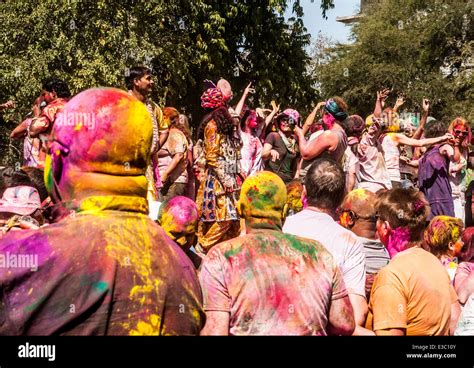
(324, 190)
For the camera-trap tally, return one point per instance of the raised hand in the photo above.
(249, 89)
(426, 104)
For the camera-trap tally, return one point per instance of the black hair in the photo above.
(36, 176)
(57, 85)
(136, 72)
(325, 184)
(10, 177)
(435, 128)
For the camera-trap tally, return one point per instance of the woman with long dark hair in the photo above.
(219, 189)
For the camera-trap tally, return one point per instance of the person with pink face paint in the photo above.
(464, 284)
(331, 143)
(251, 151)
(412, 295)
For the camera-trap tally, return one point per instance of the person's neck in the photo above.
(141, 97)
(364, 229)
(287, 134)
(329, 212)
(399, 241)
(254, 224)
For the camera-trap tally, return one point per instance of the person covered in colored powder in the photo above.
(324, 189)
(33, 156)
(270, 283)
(107, 268)
(443, 238)
(392, 139)
(355, 126)
(412, 295)
(179, 218)
(139, 82)
(173, 159)
(55, 94)
(373, 174)
(433, 170)
(357, 214)
(252, 148)
(332, 142)
(460, 128)
(222, 179)
(464, 284)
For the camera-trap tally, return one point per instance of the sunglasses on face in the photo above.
(460, 132)
(355, 216)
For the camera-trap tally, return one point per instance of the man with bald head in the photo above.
(357, 214)
(107, 268)
(270, 283)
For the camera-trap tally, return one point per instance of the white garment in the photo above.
(345, 246)
(350, 162)
(373, 172)
(251, 154)
(391, 154)
(456, 180)
(465, 324)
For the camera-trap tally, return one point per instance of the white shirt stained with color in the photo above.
(344, 246)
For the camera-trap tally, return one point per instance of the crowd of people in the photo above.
(123, 220)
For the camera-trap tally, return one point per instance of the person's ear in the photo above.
(386, 229)
(452, 246)
(351, 220)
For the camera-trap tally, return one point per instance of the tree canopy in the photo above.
(91, 43)
(418, 47)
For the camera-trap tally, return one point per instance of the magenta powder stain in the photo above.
(398, 240)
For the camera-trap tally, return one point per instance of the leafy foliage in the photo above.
(423, 48)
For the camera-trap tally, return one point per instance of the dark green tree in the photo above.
(92, 43)
(417, 47)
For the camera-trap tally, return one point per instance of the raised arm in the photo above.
(310, 150)
(453, 153)
(240, 105)
(311, 117)
(381, 97)
(399, 103)
(403, 139)
(424, 117)
(275, 109)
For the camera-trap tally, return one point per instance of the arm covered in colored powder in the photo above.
(217, 324)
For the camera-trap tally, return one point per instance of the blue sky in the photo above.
(315, 23)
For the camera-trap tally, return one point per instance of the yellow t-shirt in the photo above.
(412, 292)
